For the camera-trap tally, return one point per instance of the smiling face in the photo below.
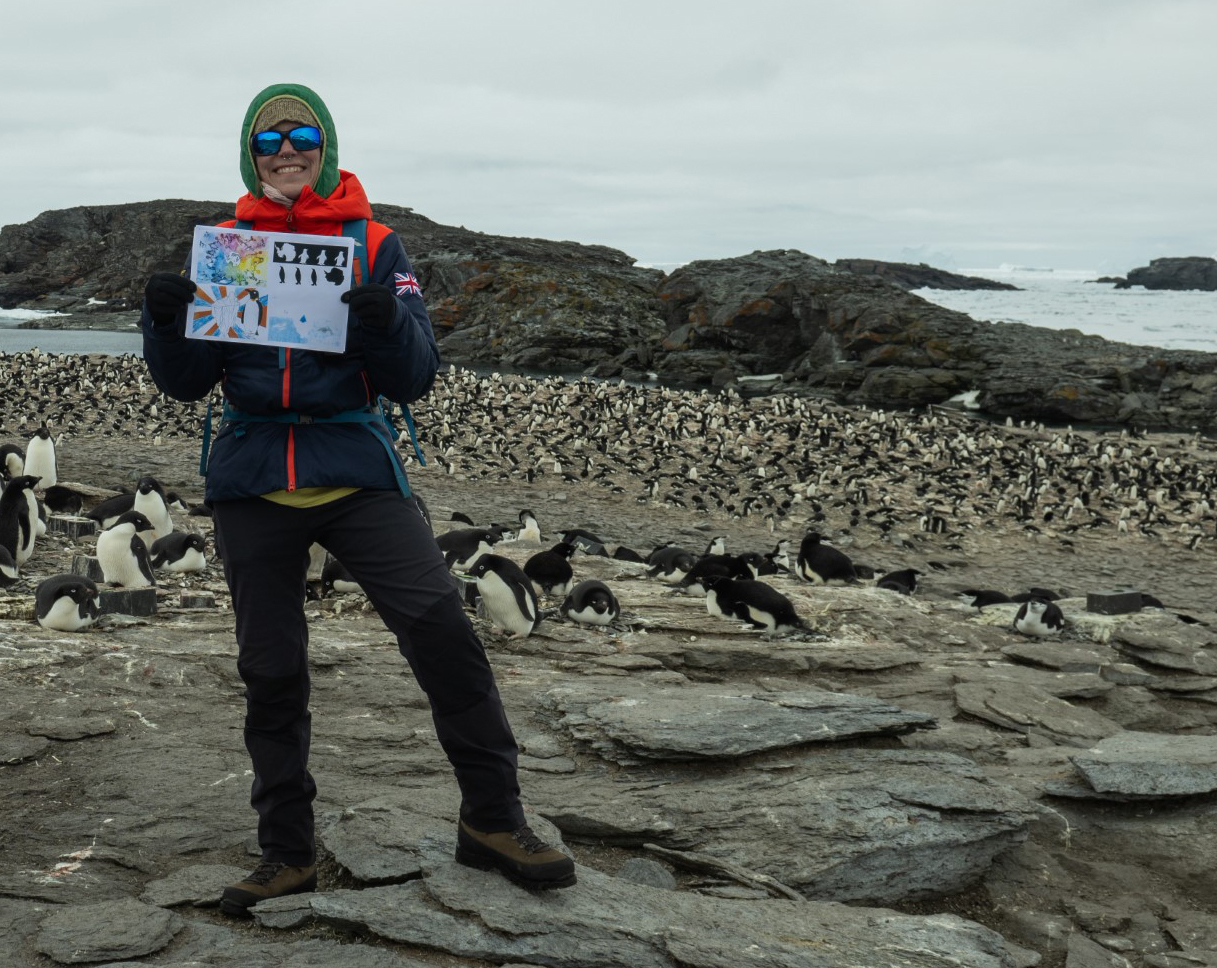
(290, 170)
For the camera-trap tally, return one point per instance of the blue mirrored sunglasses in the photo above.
(304, 138)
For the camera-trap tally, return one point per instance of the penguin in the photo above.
(463, 518)
(759, 564)
(1045, 594)
(819, 564)
(529, 529)
(8, 567)
(670, 564)
(550, 570)
(760, 605)
(717, 546)
(108, 511)
(982, 597)
(462, 547)
(622, 553)
(1039, 618)
(122, 553)
(66, 603)
(336, 579)
(511, 602)
(591, 602)
(903, 581)
(18, 523)
(696, 580)
(179, 551)
(40, 458)
(63, 500)
(149, 500)
(12, 462)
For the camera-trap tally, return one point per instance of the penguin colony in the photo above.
(787, 462)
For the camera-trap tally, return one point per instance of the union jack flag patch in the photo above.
(407, 283)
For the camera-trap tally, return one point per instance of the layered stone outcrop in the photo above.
(770, 319)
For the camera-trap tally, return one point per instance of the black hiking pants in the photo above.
(385, 543)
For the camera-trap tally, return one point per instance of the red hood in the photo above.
(311, 215)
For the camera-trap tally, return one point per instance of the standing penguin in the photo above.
(179, 551)
(150, 501)
(40, 458)
(1039, 618)
(529, 529)
(591, 602)
(66, 603)
(122, 554)
(462, 547)
(819, 564)
(511, 603)
(550, 570)
(18, 523)
(754, 602)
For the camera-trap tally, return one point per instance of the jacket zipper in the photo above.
(291, 458)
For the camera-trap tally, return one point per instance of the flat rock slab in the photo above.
(1056, 655)
(198, 884)
(703, 722)
(18, 748)
(876, 826)
(70, 728)
(1031, 710)
(1084, 685)
(1185, 648)
(1151, 764)
(605, 922)
(108, 931)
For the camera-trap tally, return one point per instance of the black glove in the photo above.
(167, 294)
(374, 304)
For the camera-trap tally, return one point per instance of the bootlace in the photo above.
(265, 872)
(529, 841)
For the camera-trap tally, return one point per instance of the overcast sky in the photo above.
(964, 133)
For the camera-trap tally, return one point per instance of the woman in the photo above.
(303, 456)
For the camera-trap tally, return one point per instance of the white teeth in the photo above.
(289, 170)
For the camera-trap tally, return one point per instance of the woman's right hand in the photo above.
(167, 294)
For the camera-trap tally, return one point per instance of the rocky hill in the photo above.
(774, 319)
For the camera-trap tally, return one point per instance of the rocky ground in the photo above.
(909, 782)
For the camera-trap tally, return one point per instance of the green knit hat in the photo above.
(290, 102)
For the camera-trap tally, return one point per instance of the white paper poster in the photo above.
(270, 288)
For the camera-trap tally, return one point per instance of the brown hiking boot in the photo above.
(519, 854)
(269, 879)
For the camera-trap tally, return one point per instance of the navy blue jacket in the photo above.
(399, 363)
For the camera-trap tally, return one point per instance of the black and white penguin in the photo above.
(40, 458)
(696, 580)
(903, 581)
(12, 462)
(982, 597)
(8, 567)
(336, 578)
(63, 500)
(717, 546)
(179, 551)
(759, 564)
(529, 529)
(462, 547)
(508, 595)
(108, 511)
(551, 571)
(19, 517)
(591, 602)
(622, 553)
(819, 563)
(66, 603)
(150, 501)
(1039, 618)
(122, 554)
(670, 564)
(754, 602)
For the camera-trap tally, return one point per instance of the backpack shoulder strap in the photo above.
(361, 265)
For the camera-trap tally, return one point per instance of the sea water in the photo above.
(1052, 298)
(1070, 299)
